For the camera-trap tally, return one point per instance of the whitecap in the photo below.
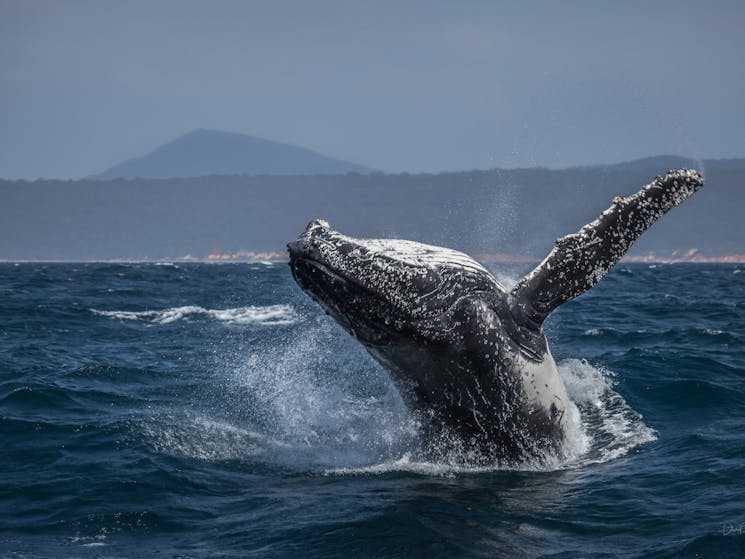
(272, 315)
(410, 463)
(90, 541)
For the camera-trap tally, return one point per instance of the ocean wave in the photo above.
(272, 315)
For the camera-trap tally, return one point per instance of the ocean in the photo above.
(193, 410)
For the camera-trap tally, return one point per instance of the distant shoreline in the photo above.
(248, 218)
(690, 257)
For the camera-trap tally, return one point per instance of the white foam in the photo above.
(90, 541)
(274, 315)
(410, 465)
(611, 427)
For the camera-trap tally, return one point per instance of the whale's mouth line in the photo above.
(303, 269)
(310, 272)
(324, 269)
(320, 289)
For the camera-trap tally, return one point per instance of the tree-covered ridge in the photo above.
(518, 212)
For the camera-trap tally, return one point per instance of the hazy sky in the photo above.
(399, 85)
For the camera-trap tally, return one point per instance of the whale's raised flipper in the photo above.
(580, 260)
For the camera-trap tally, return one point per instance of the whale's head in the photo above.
(386, 291)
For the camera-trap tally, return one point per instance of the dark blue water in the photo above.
(213, 411)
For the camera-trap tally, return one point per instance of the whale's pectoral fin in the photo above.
(580, 260)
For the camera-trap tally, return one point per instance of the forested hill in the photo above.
(519, 211)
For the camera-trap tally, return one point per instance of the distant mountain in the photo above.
(212, 152)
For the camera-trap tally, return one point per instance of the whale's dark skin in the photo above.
(467, 353)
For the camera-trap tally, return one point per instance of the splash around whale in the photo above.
(467, 354)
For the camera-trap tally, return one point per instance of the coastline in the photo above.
(247, 257)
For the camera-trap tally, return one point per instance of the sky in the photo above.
(399, 85)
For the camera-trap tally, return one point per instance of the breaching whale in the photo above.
(470, 355)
